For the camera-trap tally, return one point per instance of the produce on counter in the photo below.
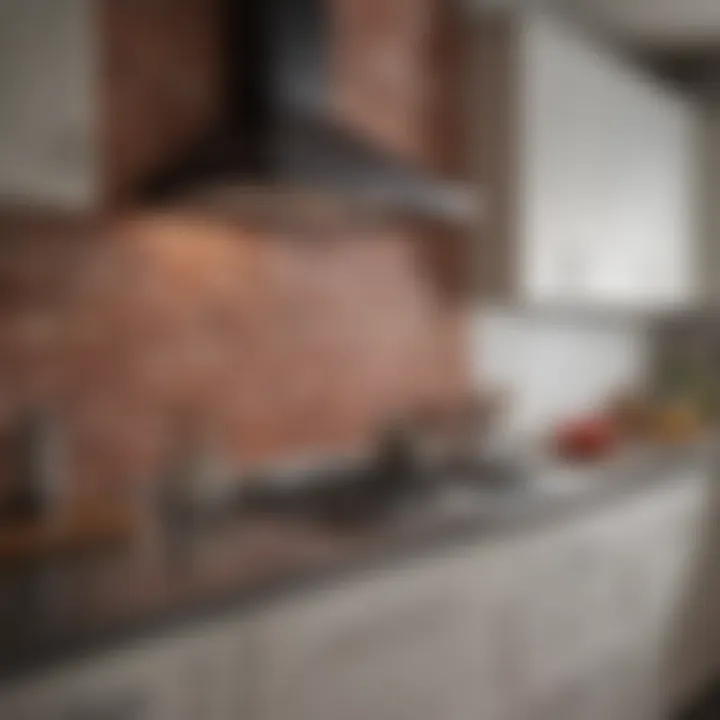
(590, 438)
(659, 417)
(677, 422)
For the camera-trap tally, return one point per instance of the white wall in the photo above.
(47, 103)
(553, 366)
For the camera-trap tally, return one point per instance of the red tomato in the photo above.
(586, 438)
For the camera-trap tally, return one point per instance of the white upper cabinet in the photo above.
(590, 168)
(47, 78)
(98, 96)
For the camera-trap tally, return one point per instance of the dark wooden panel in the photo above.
(162, 85)
(495, 118)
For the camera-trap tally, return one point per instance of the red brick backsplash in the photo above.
(277, 344)
(397, 75)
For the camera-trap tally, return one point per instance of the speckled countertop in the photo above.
(57, 611)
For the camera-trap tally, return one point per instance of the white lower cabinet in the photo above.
(691, 643)
(394, 646)
(596, 605)
(492, 683)
(227, 667)
(616, 690)
(552, 634)
(200, 675)
(157, 683)
(583, 620)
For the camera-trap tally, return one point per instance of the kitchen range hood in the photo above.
(281, 151)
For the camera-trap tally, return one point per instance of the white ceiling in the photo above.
(657, 22)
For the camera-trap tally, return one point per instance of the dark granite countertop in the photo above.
(58, 611)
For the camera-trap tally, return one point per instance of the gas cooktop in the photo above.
(377, 493)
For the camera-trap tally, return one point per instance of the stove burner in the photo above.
(383, 492)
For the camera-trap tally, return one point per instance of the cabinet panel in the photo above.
(651, 193)
(647, 551)
(493, 686)
(567, 623)
(388, 648)
(162, 682)
(602, 590)
(624, 688)
(47, 138)
(556, 172)
(554, 632)
(228, 661)
(571, 702)
(597, 184)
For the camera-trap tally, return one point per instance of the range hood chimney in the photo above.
(282, 149)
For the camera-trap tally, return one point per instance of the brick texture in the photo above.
(277, 344)
(398, 76)
(160, 85)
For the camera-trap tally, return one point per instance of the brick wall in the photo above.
(398, 75)
(160, 84)
(279, 344)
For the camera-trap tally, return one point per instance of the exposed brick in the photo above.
(277, 344)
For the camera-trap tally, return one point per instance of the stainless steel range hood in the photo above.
(282, 151)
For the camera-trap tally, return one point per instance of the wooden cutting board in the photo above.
(81, 528)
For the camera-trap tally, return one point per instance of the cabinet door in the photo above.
(47, 138)
(677, 572)
(613, 691)
(227, 666)
(601, 589)
(646, 547)
(492, 687)
(570, 702)
(387, 647)
(651, 233)
(160, 682)
(668, 545)
(623, 688)
(557, 637)
(607, 176)
(555, 633)
(640, 593)
(557, 177)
